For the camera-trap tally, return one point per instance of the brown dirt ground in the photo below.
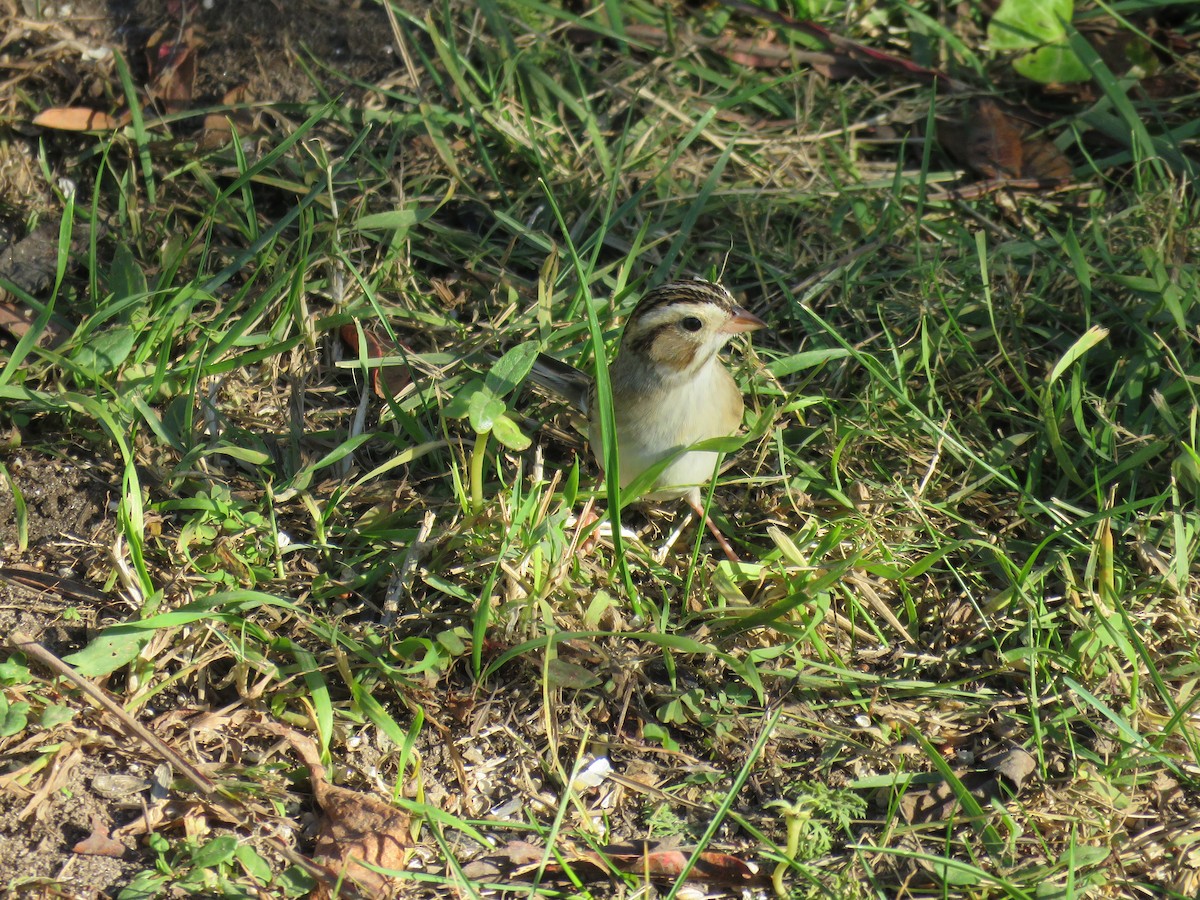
(64, 59)
(70, 522)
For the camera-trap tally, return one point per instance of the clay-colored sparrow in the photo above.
(669, 387)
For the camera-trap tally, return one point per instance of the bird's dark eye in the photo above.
(691, 323)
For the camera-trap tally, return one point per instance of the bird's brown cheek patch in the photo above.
(673, 352)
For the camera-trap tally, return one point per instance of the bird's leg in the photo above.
(661, 554)
(586, 518)
(600, 526)
(693, 500)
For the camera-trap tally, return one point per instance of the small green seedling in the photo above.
(482, 403)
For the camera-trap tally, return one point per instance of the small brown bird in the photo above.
(670, 389)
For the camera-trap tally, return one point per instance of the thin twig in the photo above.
(31, 648)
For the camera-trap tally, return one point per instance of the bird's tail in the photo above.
(561, 379)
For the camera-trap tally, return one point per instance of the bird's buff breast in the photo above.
(659, 424)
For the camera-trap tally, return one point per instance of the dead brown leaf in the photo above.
(999, 772)
(358, 828)
(387, 381)
(355, 828)
(172, 67)
(98, 843)
(723, 869)
(993, 146)
(999, 146)
(1013, 764)
(1043, 160)
(505, 861)
(75, 118)
(658, 863)
(218, 127)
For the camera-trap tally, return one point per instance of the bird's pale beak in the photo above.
(741, 320)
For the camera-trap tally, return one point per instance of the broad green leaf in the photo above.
(508, 434)
(253, 864)
(56, 714)
(652, 732)
(459, 405)
(510, 369)
(125, 277)
(1023, 24)
(295, 882)
(104, 352)
(1052, 64)
(452, 640)
(215, 852)
(13, 717)
(13, 671)
(143, 886)
(483, 411)
(108, 651)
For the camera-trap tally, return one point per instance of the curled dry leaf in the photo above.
(658, 863)
(75, 118)
(1014, 764)
(355, 827)
(506, 861)
(999, 146)
(387, 381)
(663, 864)
(98, 843)
(653, 861)
(172, 67)
(723, 869)
(1000, 772)
(218, 126)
